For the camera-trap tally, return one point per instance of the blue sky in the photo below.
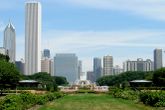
(125, 29)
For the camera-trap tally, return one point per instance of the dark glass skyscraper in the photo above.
(97, 68)
(46, 53)
(66, 65)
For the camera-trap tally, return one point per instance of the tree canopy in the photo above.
(159, 77)
(4, 57)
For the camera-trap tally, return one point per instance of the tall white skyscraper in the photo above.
(9, 41)
(107, 65)
(32, 37)
(158, 60)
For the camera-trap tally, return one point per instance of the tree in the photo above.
(60, 80)
(4, 57)
(159, 77)
(45, 79)
(9, 75)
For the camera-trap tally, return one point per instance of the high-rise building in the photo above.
(138, 65)
(97, 68)
(117, 70)
(32, 37)
(90, 76)
(66, 65)
(107, 65)
(158, 63)
(46, 53)
(45, 65)
(52, 67)
(10, 42)
(20, 66)
(79, 69)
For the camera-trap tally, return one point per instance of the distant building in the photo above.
(2, 51)
(107, 65)
(158, 62)
(32, 37)
(79, 69)
(138, 65)
(20, 66)
(66, 65)
(10, 41)
(52, 67)
(117, 70)
(45, 65)
(97, 68)
(90, 76)
(46, 53)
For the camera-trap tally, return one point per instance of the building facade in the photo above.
(90, 76)
(46, 53)
(66, 65)
(138, 65)
(79, 69)
(158, 60)
(107, 65)
(97, 68)
(117, 70)
(20, 66)
(32, 38)
(46, 65)
(10, 42)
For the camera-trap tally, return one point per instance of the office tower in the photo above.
(45, 65)
(107, 65)
(158, 59)
(20, 66)
(52, 67)
(2, 51)
(117, 70)
(66, 65)
(32, 38)
(138, 65)
(46, 53)
(97, 68)
(90, 76)
(79, 69)
(10, 42)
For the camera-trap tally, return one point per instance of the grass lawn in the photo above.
(93, 102)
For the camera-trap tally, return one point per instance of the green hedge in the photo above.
(26, 100)
(156, 99)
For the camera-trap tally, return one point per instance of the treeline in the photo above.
(158, 78)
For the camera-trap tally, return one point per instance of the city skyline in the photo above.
(93, 28)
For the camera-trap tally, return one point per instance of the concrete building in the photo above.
(97, 68)
(52, 67)
(32, 37)
(117, 70)
(2, 51)
(9, 43)
(20, 66)
(158, 60)
(138, 65)
(66, 65)
(107, 65)
(45, 65)
(79, 69)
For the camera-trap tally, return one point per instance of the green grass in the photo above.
(93, 102)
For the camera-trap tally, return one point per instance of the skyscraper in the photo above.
(97, 68)
(66, 65)
(10, 42)
(107, 65)
(46, 53)
(79, 69)
(158, 59)
(32, 37)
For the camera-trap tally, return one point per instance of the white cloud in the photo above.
(154, 9)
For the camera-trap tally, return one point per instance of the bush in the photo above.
(26, 100)
(156, 99)
(126, 94)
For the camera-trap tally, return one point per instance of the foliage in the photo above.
(159, 77)
(126, 94)
(60, 80)
(151, 98)
(26, 100)
(123, 78)
(4, 57)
